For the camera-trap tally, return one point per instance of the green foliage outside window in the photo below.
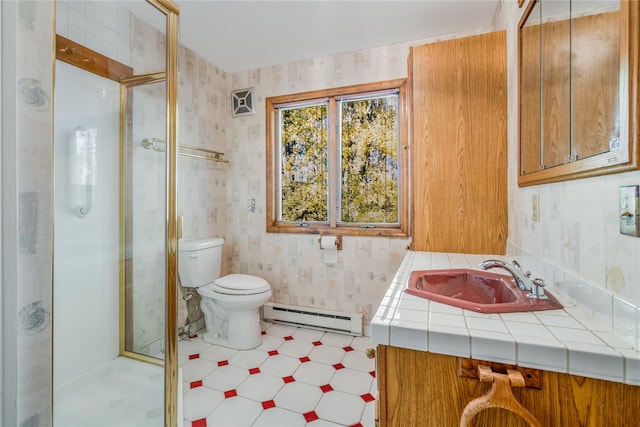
(367, 146)
(370, 160)
(304, 175)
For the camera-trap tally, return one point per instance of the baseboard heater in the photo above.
(332, 321)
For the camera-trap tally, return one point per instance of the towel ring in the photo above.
(500, 396)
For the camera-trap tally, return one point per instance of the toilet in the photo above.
(230, 303)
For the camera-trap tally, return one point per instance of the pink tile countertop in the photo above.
(565, 340)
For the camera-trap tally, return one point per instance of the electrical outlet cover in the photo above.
(629, 210)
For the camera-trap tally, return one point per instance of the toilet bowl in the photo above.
(230, 303)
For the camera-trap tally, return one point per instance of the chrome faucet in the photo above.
(523, 279)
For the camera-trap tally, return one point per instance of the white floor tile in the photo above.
(260, 387)
(324, 423)
(314, 373)
(362, 343)
(280, 365)
(295, 348)
(226, 378)
(336, 340)
(278, 417)
(248, 359)
(235, 412)
(192, 346)
(270, 342)
(218, 353)
(197, 369)
(200, 401)
(298, 397)
(309, 335)
(327, 354)
(281, 330)
(358, 360)
(369, 415)
(339, 407)
(351, 381)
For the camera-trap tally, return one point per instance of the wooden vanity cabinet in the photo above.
(422, 389)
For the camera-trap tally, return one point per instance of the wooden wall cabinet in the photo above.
(423, 389)
(578, 88)
(459, 145)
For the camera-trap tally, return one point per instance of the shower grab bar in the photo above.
(216, 156)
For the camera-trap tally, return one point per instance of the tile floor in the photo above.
(297, 377)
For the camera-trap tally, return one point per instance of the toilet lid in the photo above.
(244, 283)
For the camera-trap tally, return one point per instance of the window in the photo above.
(337, 161)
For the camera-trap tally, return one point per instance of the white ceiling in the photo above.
(243, 35)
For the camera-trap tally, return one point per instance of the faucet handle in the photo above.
(516, 264)
(537, 289)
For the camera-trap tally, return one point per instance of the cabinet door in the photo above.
(459, 146)
(423, 389)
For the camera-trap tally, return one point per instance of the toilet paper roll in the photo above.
(328, 245)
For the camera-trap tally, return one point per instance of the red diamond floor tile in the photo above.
(317, 343)
(253, 371)
(305, 359)
(367, 397)
(268, 404)
(347, 348)
(310, 416)
(338, 366)
(288, 379)
(288, 338)
(326, 388)
(195, 384)
(194, 356)
(373, 374)
(223, 363)
(273, 353)
(202, 422)
(230, 393)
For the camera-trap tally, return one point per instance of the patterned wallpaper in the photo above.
(294, 264)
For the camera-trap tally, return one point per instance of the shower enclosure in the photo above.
(115, 222)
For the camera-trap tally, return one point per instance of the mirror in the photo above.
(578, 70)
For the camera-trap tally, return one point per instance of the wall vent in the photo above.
(332, 321)
(243, 104)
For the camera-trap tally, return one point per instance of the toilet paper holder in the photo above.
(338, 242)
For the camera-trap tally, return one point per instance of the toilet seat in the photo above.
(235, 284)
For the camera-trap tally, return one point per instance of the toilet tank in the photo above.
(199, 261)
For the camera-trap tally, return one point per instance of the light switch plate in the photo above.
(629, 210)
(535, 208)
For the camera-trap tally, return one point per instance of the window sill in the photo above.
(326, 230)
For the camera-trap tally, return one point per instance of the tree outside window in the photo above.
(337, 163)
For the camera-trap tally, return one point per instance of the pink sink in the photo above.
(476, 290)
